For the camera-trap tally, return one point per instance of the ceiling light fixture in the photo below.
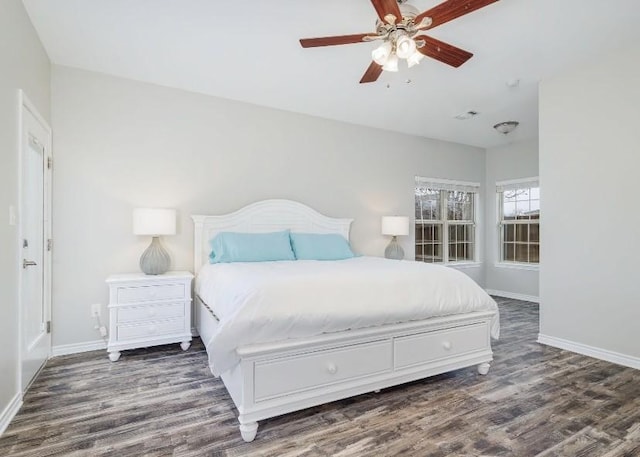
(400, 40)
(506, 127)
(397, 45)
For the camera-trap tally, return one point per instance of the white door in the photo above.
(34, 261)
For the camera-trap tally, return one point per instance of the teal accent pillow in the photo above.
(229, 247)
(316, 246)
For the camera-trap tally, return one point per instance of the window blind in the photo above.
(513, 184)
(446, 184)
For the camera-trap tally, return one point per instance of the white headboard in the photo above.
(260, 217)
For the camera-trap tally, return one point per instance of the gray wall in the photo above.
(589, 165)
(120, 144)
(24, 65)
(512, 161)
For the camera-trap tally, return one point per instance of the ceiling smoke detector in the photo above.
(506, 127)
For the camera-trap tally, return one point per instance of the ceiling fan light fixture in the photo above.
(380, 55)
(399, 26)
(405, 47)
(506, 127)
(415, 58)
(391, 64)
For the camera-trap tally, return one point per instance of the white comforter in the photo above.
(263, 302)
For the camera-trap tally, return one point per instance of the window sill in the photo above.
(517, 266)
(463, 264)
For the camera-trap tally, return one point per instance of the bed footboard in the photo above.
(275, 379)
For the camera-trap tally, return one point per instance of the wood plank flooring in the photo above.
(535, 401)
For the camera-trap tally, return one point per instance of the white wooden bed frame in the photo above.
(277, 378)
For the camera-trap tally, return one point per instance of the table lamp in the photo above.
(395, 226)
(154, 222)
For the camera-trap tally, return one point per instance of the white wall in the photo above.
(121, 144)
(24, 65)
(511, 161)
(589, 168)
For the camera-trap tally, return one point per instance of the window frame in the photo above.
(444, 187)
(526, 183)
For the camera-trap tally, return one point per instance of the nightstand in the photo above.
(148, 310)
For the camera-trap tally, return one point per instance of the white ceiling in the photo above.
(249, 51)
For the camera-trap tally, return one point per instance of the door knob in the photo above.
(28, 263)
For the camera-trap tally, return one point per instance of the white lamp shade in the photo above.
(395, 225)
(154, 221)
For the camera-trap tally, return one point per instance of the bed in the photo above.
(272, 361)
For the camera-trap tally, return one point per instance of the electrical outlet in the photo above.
(103, 331)
(96, 310)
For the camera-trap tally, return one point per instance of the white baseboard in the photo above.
(66, 349)
(10, 411)
(502, 293)
(602, 354)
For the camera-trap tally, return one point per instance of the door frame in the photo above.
(25, 105)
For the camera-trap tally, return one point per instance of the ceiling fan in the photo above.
(400, 27)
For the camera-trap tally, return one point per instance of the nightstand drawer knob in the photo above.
(446, 345)
(332, 368)
(152, 330)
(152, 312)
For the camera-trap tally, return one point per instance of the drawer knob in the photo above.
(446, 345)
(332, 368)
(152, 312)
(153, 329)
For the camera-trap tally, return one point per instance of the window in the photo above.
(445, 220)
(519, 221)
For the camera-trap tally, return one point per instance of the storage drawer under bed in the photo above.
(428, 347)
(287, 375)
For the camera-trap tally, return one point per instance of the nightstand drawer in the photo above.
(150, 312)
(156, 329)
(150, 293)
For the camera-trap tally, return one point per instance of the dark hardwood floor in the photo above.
(536, 400)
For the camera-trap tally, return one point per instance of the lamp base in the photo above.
(155, 260)
(394, 250)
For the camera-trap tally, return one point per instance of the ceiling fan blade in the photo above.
(372, 73)
(451, 9)
(334, 40)
(442, 51)
(386, 7)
